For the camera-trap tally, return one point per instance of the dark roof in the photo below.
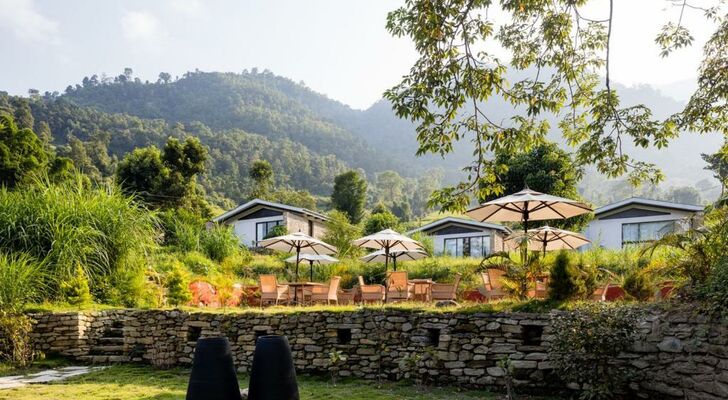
(269, 204)
(461, 221)
(648, 202)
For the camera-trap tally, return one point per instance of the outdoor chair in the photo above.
(370, 293)
(609, 292)
(540, 289)
(328, 293)
(446, 291)
(492, 286)
(398, 286)
(271, 291)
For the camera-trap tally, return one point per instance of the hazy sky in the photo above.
(338, 47)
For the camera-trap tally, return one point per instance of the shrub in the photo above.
(219, 242)
(177, 284)
(199, 264)
(15, 343)
(20, 281)
(715, 289)
(637, 285)
(75, 290)
(70, 223)
(587, 341)
(562, 284)
(380, 221)
(238, 264)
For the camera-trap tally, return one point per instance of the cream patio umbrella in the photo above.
(407, 255)
(388, 241)
(312, 259)
(297, 243)
(527, 205)
(547, 238)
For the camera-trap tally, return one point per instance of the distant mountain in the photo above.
(308, 137)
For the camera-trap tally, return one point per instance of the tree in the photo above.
(380, 221)
(718, 163)
(547, 169)
(164, 77)
(21, 153)
(684, 195)
(390, 187)
(164, 180)
(177, 285)
(261, 172)
(557, 60)
(349, 195)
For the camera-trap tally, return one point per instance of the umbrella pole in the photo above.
(310, 263)
(386, 267)
(394, 262)
(298, 260)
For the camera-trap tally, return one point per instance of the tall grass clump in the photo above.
(72, 223)
(20, 281)
(219, 242)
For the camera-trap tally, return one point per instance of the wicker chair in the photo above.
(399, 288)
(271, 291)
(370, 293)
(446, 291)
(492, 286)
(328, 293)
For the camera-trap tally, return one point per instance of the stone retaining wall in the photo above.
(678, 356)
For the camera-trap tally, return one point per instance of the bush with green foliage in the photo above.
(562, 280)
(715, 289)
(586, 343)
(340, 232)
(199, 264)
(21, 281)
(182, 229)
(16, 347)
(219, 242)
(177, 284)
(380, 221)
(75, 290)
(638, 285)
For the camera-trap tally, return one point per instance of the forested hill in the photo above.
(260, 103)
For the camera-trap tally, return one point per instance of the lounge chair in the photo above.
(492, 286)
(370, 293)
(609, 292)
(328, 293)
(399, 288)
(271, 291)
(446, 291)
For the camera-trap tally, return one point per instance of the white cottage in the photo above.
(637, 220)
(253, 220)
(462, 237)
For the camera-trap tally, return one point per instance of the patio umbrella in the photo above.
(528, 205)
(312, 259)
(388, 241)
(547, 238)
(409, 255)
(297, 243)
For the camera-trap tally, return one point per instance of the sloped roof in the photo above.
(263, 203)
(647, 202)
(461, 221)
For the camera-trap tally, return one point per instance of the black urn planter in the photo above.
(272, 376)
(213, 374)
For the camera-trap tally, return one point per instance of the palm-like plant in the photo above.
(520, 268)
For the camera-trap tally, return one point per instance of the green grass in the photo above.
(125, 382)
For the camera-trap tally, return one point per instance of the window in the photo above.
(645, 231)
(477, 246)
(262, 229)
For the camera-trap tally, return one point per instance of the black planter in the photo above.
(272, 376)
(213, 372)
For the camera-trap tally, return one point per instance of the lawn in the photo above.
(122, 382)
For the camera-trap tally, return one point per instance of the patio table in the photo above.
(300, 288)
(422, 289)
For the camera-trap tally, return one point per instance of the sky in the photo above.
(337, 47)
